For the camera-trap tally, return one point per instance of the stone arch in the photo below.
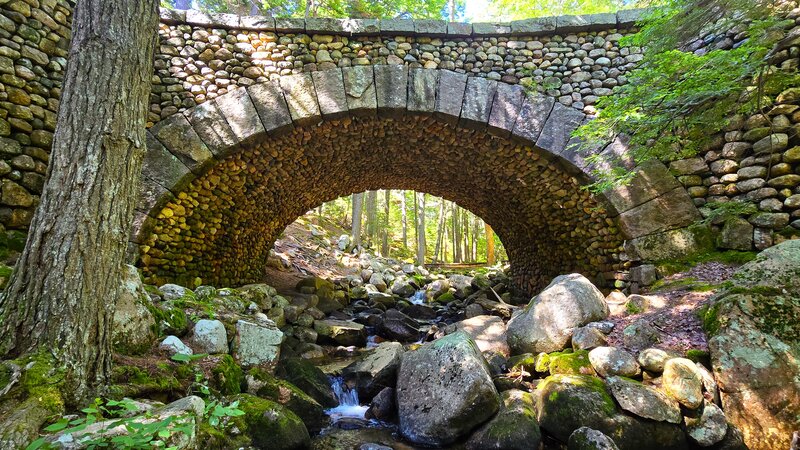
(249, 129)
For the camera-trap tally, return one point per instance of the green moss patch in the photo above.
(227, 376)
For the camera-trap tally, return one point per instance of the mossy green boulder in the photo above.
(513, 428)
(263, 384)
(568, 402)
(308, 378)
(570, 363)
(754, 341)
(265, 425)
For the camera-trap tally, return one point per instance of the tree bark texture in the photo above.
(420, 216)
(62, 295)
(358, 201)
(386, 212)
(372, 218)
(489, 245)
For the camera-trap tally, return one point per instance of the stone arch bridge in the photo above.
(222, 179)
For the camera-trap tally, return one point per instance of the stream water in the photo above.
(349, 406)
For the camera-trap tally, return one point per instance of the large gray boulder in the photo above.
(210, 336)
(488, 332)
(754, 341)
(643, 401)
(257, 343)
(568, 402)
(375, 370)
(547, 323)
(133, 330)
(513, 428)
(444, 391)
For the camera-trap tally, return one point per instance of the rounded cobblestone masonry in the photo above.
(34, 38)
(222, 226)
(198, 63)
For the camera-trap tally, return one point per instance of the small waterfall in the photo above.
(419, 297)
(349, 406)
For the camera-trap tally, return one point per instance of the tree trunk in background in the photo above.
(456, 234)
(372, 218)
(419, 202)
(475, 227)
(386, 212)
(358, 200)
(62, 295)
(404, 217)
(489, 244)
(308, 8)
(467, 249)
(452, 8)
(439, 230)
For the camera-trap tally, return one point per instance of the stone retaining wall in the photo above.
(34, 40)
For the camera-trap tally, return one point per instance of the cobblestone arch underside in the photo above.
(219, 228)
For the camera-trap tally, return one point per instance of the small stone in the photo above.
(173, 345)
(683, 382)
(210, 336)
(587, 338)
(609, 361)
(653, 359)
(709, 428)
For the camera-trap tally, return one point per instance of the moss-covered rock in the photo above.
(265, 385)
(754, 341)
(568, 402)
(227, 376)
(513, 428)
(269, 425)
(170, 319)
(308, 378)
(570, 363)
(164, 382)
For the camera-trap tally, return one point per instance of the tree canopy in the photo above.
(417, 9)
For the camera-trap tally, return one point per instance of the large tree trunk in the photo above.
(439, 231)
(372, 218)
(419, 202)
(62, 295)
(404, 217)
(489, 244)
(386, 212)
(358, 200)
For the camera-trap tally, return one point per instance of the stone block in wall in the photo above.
(774, 143)
(651, 179)
(538, 25)
(271, 107)
(324, 25)
(397, 26)
(458, 29)
(240, 113)
(477, 103)
(430, 27)
(422, 87)
(162, 166)
(391, 90)
(587, 22)
(450, 95)
(329, 85)
(762, 238)
(775, 221)
(505, 109)
(301, 99)
(490, 29)
(558, 129)
(628, 17)
(215, 20)
(180, 138)
(359, 86)
(290, 25)
(736, 234)
(532, 117)
(257, 23)
(673, 244)
(689, 166)
(649, 218)
(212, 127)
(172, 16)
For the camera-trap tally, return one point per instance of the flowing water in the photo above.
(349, 406)
(419, 297)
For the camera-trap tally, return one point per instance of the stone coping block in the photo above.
(422, 27)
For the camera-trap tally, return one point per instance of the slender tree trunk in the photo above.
(475, 228)
(452, 8)
(419, 202)
(358, 200)
(372, 217)
(439, 229)
(386, 212)
(465, 231)
(62, 295)
(489, 244)
(309, 3)
(456, 234)
(404, 217)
